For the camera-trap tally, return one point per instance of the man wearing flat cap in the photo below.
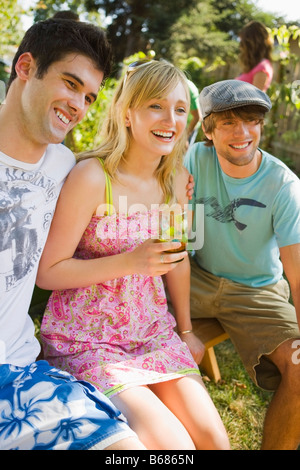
(251, 204)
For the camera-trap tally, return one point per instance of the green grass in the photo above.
(37, 308)
(241, 404)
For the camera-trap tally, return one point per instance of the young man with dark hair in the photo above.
(56, 75)
(251, 235)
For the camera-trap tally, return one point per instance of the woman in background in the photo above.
(255, 55)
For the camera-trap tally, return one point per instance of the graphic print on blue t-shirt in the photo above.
(227, 214)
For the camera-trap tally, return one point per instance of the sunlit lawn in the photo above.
(241, 404)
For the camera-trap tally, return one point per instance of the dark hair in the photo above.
(67, 15)
(256, 44)
(51, 40)
(245, 113)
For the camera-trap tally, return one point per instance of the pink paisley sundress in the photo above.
(117, 334)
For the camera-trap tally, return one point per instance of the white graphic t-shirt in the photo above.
(28, 196)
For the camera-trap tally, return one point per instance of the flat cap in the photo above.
(230, 94)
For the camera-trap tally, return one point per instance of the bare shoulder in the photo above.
(182, 175)
(85, 184)
(87, 172)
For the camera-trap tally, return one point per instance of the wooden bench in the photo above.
(210, 331)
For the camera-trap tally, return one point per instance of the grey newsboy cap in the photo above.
(230, 94)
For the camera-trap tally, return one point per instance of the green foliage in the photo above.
(134, 25)
(134, 57)
(193, 66)
(284, 93)
(195, 35)
(46, 8)
(11, 31)
(86, 134)
(231, 16)
(186, 28)
(290, 137)
(10, 26)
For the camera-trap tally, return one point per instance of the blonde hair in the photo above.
(143, 83)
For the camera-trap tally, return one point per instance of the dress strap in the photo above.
(108, 190)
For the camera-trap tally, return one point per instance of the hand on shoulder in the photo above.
(182, 183)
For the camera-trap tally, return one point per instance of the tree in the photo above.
(196, 34)
(175, 29)
(46, 8)
(11, 32)
(10, 25)
(134, 24)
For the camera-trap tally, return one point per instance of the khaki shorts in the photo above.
(257, 320)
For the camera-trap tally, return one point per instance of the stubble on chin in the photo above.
(242, 160)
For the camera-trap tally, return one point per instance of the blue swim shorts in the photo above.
(43, 408)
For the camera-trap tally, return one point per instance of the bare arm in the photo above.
(178, 284)
(259, 80)
(81, 195)
(290, 257)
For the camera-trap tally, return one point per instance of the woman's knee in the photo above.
(214, 439)
(156, 426)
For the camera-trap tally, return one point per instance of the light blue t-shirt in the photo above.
(246, 220)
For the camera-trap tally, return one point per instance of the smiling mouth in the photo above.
(164, 134)
(62, 117)
(240, 146)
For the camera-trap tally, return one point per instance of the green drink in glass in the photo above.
(173, 226)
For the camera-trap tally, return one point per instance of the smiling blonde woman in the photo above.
(108, 321)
